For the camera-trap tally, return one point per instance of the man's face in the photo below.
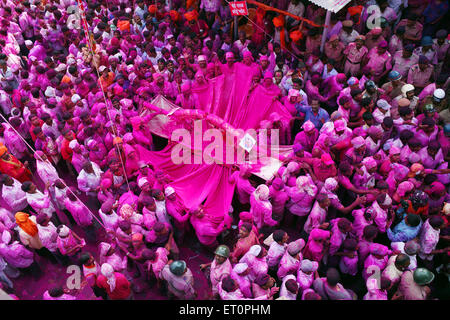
(40, 136)
(395, 157)
(9, 181)
(35, 121)
(220, 259)
(243, 233)
(381, 51)
(202, 64)
(32, 188)
(347, 29)
(325, 203)
(339, 132)
(410, 95)
(69, 136)
(432, 152)
(278, 76)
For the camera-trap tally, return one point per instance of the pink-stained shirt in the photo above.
(355, 55)
(48, 236)
(257, 266)
(395, 44)
(160, 262)
(278, 199)
(332, 86)
(41, 203)
(176, 209)
(430, 163)
(261, 212)
(46, 296)
(359, 222)
(391, 272)
(376, 295)
(65, 244)
(403, 65)
(275, 253)
(372, 261)
(380, 219)
(218, 272)
(16, 254)
(14, 196)
(315, 218)
(79, 211)
(424, 138)
(428, 239)
(243, 187)
(321, 172)
(206, 230)
(284, 293)
(379, 63)
(337, 237)
(409, 289)
(245, 285)
(314, 250)
(307, 141)
(305, 280)
(288, 265)
(349, 265)
(419, 78)
(181, 286)
(110, 221)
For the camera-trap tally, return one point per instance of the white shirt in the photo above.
(14, 196)
(346, 38)
(284, 292)
(40, 202)
(60, 196)
(48, 236)
(46, 171)
(161, 212)
(7, 218)
(275, 253)
(89, 181)
(110, 221)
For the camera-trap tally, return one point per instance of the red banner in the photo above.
(238, 8)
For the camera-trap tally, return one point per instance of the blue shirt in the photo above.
(318, 119)
(402, 232)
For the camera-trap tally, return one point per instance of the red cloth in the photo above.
(66, 152)
(15, 169)
(33, 136)
(122, 290)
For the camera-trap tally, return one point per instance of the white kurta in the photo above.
(41, 203)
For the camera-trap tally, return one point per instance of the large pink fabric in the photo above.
(227, 98)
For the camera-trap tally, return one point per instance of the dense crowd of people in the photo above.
(358, 210)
